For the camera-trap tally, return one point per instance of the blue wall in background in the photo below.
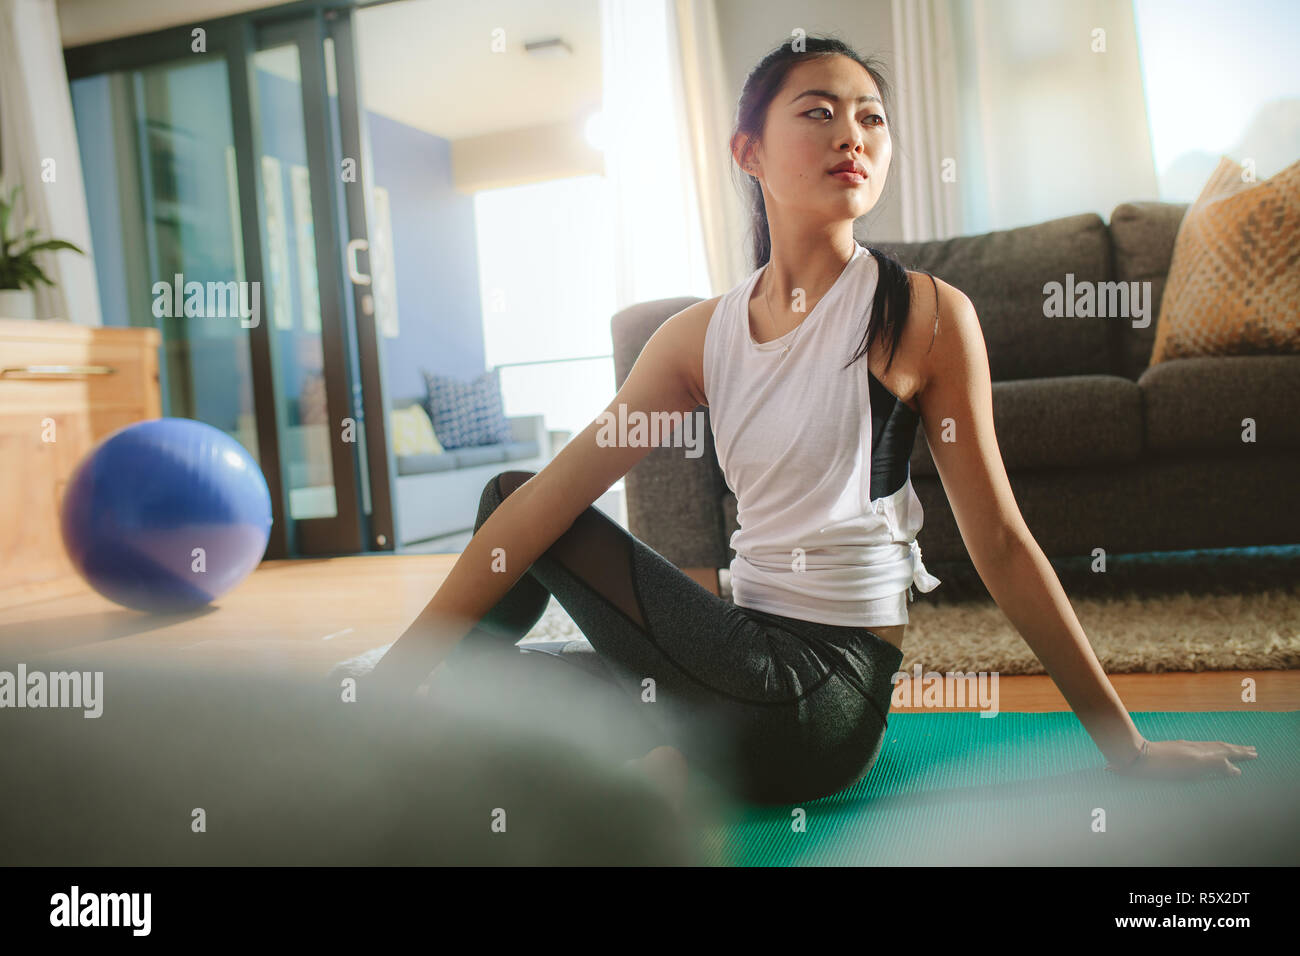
(439, 312)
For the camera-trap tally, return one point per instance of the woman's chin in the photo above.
(857, 205)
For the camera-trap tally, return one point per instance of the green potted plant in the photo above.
(19, 272)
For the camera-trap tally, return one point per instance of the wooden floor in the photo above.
(302, 617)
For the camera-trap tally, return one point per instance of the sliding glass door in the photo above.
(158, 156)
(226, 170)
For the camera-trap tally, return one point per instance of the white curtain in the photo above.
(710, 112)
(926, 95)
(658, 244)
(1053, 110)
(38, 150)
(1037, 109)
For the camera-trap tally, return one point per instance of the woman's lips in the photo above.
(851, 177)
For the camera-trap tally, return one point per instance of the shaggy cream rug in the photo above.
(1193, 611)
(1207, 610)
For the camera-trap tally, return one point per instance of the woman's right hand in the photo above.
(1189, 760)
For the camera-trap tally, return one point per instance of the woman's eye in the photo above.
(823, 109)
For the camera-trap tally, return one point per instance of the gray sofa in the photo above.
(1101, 451)
(439, 494)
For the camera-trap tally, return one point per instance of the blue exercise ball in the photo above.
(166, 515)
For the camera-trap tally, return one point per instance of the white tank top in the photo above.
(794, 440)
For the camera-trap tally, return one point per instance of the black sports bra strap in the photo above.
(936, 313)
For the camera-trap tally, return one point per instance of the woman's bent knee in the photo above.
(504, 483)
(499, 487)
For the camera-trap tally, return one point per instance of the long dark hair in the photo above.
(893, 301)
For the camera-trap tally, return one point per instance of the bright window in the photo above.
(546, 273)
(1220, 80)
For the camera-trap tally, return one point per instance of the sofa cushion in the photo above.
(1004, 274)
(1068, 422)
(424, 464)
(480, 455)
(467, 413)
(1198, 404)
(519, 450)
(467, 457)
(1142, 235)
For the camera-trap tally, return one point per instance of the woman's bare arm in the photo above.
(531, 518)
(956, 405)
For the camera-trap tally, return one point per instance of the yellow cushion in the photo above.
(1234, 284)
(413, 432)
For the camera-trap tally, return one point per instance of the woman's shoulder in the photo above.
(932, 299)
(924, 287)
(698, 314)
(943, 331)
(685, 333)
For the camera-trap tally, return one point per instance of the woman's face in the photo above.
(807, 134)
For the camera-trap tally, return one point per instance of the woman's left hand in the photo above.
(1189, 760)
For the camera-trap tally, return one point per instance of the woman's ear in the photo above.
(741, 147)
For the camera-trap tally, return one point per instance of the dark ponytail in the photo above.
(893, 300)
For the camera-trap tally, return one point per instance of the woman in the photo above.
(785, 692)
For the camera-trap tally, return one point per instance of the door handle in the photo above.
(356, 275)
(57, 370)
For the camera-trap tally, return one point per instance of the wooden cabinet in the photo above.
(63, 387)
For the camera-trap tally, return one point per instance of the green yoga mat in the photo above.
(957, 789)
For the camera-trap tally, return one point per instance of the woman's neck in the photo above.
(810, 264)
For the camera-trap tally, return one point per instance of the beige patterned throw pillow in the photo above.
(1234, 281)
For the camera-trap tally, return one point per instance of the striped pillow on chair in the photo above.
(470, 413)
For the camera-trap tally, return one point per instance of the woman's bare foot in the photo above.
(666, 768)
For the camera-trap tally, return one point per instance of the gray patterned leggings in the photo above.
(775, 709)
